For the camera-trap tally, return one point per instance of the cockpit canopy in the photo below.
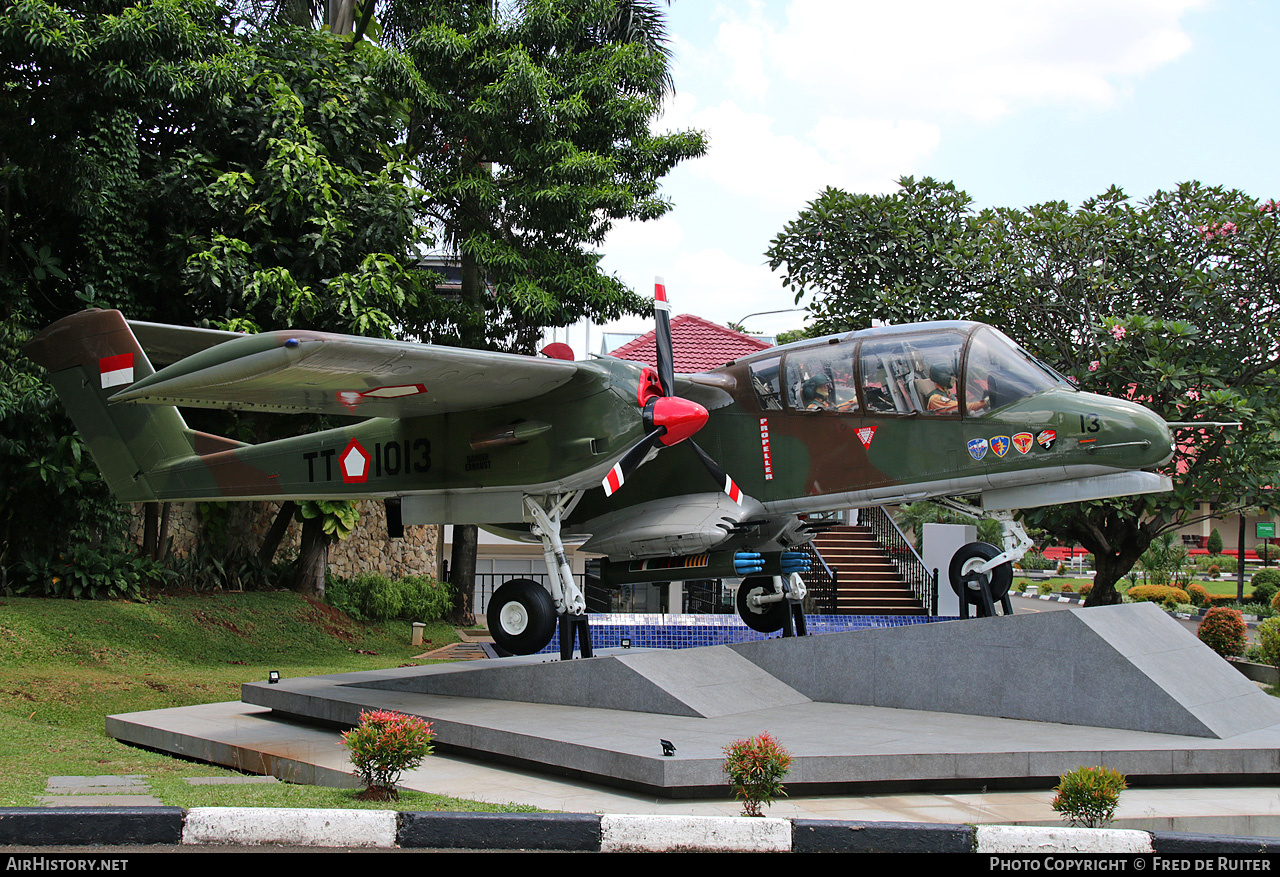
(937, 369)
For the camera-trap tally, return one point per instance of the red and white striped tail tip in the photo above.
(613, 480)
(731, 488)
(660, 295)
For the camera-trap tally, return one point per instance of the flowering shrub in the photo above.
(1087, 796)
(1198, 593)
(383, 746)
(1223, 631)
(756, 768)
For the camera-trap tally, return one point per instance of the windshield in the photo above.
(1001, 372)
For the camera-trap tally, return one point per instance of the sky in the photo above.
(1017, 102)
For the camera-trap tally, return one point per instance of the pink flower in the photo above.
(1193, 394)
(1093, 366)
(1072, 379)
(1267, 206)
(1228, 228)
(1117, 332)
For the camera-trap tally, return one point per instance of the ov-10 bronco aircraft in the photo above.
(604, 451)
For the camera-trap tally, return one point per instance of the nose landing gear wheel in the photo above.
(521, 616)
(767, 618)
(980, 589)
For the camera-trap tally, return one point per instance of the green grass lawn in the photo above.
(66, 665)
(1225, 586)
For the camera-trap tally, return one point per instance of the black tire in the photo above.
(772, 617)
(975, 554)
(521, 616)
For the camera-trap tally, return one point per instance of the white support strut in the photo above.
(568, 597)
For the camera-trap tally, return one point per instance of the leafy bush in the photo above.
(1036, 560)
(1215, 542)
(1044, 589)
(90, 572)
(1186, 609)
(756, 768)
(1086, 589)
(372, 596)
(1158, 594)
(1267, 551)
(1266, 577)
(1223, 562)
(1198, 593)
(1087, 797)
(425, 599)
(383, 746)
(1268, 645)
(1163, 559)
(1066, 588)
(1266, 584)
(1257, 610)
(1223, 630)
(1213, 572)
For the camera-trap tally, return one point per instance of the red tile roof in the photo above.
(699, 345)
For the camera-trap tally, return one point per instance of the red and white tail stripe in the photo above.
(660, 295)
(116, 370)
(613, 480)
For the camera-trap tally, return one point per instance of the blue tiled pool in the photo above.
(690, 631)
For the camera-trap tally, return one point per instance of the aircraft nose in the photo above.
(1153, 429)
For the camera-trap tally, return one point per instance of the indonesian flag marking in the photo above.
(613, 480)
(116, 370)
(660, 295)
(731, 488)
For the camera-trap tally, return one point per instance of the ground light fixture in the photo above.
(273, 676)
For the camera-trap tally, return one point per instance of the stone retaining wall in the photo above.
(246, 523)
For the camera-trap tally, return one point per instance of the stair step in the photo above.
(868, 581)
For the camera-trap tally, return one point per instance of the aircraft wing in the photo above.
(320, 373)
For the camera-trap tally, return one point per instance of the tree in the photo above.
(532, 138)
(1172, 301)
(158, 160)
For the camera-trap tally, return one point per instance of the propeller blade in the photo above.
(727, 484)
(662, 338)
(631, 460)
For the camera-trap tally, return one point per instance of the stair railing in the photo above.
(922, 582)
(822, 582)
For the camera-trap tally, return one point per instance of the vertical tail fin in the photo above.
(91, 356)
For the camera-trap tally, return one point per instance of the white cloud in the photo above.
(719, 287)
(748, 156)
(978, 58)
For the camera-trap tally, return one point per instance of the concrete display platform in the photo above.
(601, 720)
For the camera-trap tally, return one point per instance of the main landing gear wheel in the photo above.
(768, 618)
(521, 616)
(983, 590)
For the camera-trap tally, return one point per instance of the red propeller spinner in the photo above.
(668, 419)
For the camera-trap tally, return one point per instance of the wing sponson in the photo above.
(319, 373)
